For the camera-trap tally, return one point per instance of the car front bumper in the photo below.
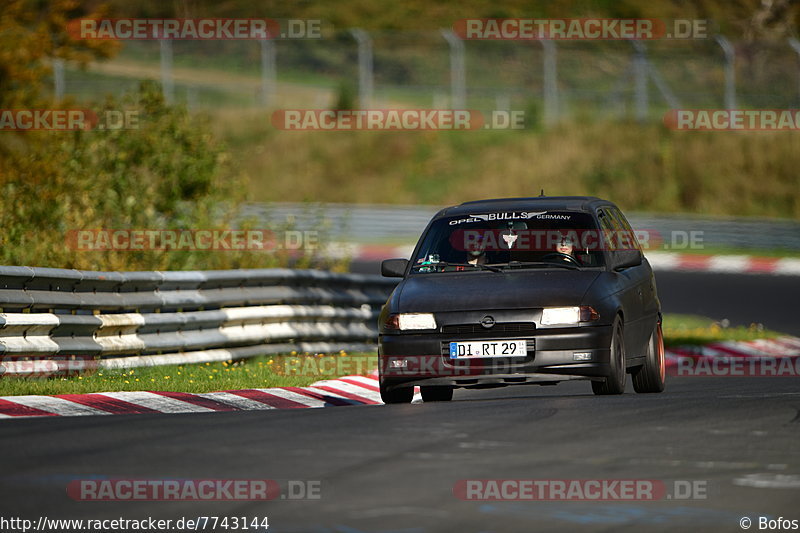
(556, 354)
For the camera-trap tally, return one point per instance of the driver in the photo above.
(566, 247)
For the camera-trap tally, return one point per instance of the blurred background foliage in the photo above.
(163, 173)
(753, 19)
(191, 170)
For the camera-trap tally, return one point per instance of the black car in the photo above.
(521, 290)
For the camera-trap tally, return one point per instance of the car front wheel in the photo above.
(397, 395)
(650, 377)
(615, 380)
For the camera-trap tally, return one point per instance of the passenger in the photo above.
(476, 251)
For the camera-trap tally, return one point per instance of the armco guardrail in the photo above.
(54, 320)
(376, 223)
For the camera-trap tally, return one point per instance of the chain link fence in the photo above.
(550, 80)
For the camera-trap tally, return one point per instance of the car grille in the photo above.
(501, 328)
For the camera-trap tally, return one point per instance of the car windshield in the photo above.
(503, 241)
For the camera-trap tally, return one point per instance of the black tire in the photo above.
(651, 376)
(615, 380)
(398, 395)
(436, 394)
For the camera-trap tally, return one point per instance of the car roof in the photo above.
(550, 203)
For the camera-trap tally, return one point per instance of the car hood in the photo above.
(518, 289)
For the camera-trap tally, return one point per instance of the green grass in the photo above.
(692, 329)
(296, 370)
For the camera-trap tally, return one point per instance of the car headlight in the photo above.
(553, 316)
(411, 321)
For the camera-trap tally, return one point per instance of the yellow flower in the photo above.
(126, 381)
(166, 377)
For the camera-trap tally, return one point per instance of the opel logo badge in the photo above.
(487, 322)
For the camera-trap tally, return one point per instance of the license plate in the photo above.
(503, 348)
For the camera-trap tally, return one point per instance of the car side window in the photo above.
(626, 239)
(607, 224)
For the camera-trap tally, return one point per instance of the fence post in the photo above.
(641, 102)
(550, 73)
(58, 78)
(267, 71)
(730, 72)
(364, 67)
(167, 87)
(795, 44)
(458, 77)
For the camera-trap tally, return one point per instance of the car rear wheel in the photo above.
(436, 394)
(651, 376)
(398, 395)
(615, 380)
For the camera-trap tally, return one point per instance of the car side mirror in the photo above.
(626, 258)
(394, 268)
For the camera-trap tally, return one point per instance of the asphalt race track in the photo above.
(394, 468)
(741, 298)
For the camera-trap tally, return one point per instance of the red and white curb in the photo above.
(348, 390)
(784, 347)
(724, 264)
(660, 261)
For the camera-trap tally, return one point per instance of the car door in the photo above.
(644, 284)
(631, 281)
